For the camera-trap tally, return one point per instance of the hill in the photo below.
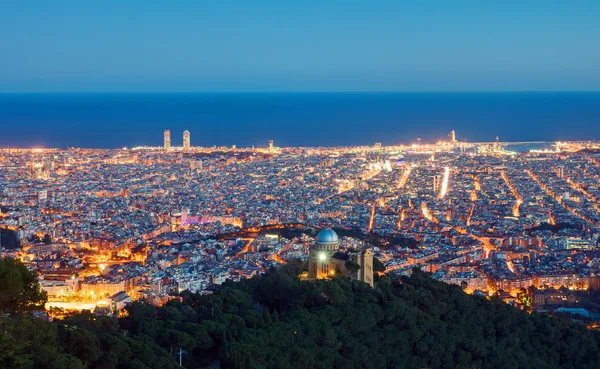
(278, 321)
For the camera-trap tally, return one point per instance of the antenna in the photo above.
(180, 353)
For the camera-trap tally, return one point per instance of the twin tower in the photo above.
(167, 139)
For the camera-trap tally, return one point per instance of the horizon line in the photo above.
(294, 92)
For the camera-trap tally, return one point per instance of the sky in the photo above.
(305, 45)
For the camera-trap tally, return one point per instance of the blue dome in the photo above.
(327, 236)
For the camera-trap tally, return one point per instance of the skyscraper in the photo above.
(186, 139)
(271, 145)
(167, 139)
(453, 136)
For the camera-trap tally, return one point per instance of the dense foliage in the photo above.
(278, 321)
(19, 288)
(555, 228)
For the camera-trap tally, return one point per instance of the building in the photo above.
(325, 259)
(552, 297)
(271, 147)
(39, 171)
(118, 301)
(186, 139)
(196, 164)
(453, 136)
(167, 139)
(437, 183)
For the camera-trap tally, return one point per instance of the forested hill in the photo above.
(276, 321)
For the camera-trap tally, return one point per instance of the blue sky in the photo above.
(346, 45)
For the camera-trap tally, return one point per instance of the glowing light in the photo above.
(510, 266)
(322, 256)
(559, 200)
(515, 210)
(551, 219)
(427, 214)
(401, 218)
(444, 188)
(476, 183)
(404, 177)
(372, 219)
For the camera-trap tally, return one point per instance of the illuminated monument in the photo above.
(325, 259)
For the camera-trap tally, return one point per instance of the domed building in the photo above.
(325, 259)
(327, 239)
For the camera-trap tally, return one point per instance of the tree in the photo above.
(32, 343)
(352, 267)
(19, 288)
(378, 265)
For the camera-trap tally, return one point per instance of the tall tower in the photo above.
(167, 139)
(453, 136)
(186, 139)
(271, 145)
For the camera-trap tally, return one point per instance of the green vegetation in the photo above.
(278, 321)
(19, 288)
(553, 228)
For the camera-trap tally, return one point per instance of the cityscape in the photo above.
(102, 228)
(299, 184)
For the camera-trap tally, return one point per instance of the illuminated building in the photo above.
(118, 301)
(167, 139)
(553, 297)
(453, 136)
(271, 147)
(560, 171)
(325, 260)
(319, 258)
(377, 145)
(186, 139)
(184, 216)
(39, 171)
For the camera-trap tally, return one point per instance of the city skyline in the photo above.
(244, 120)
(476, 215)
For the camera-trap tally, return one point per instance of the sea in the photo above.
(293, 119)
